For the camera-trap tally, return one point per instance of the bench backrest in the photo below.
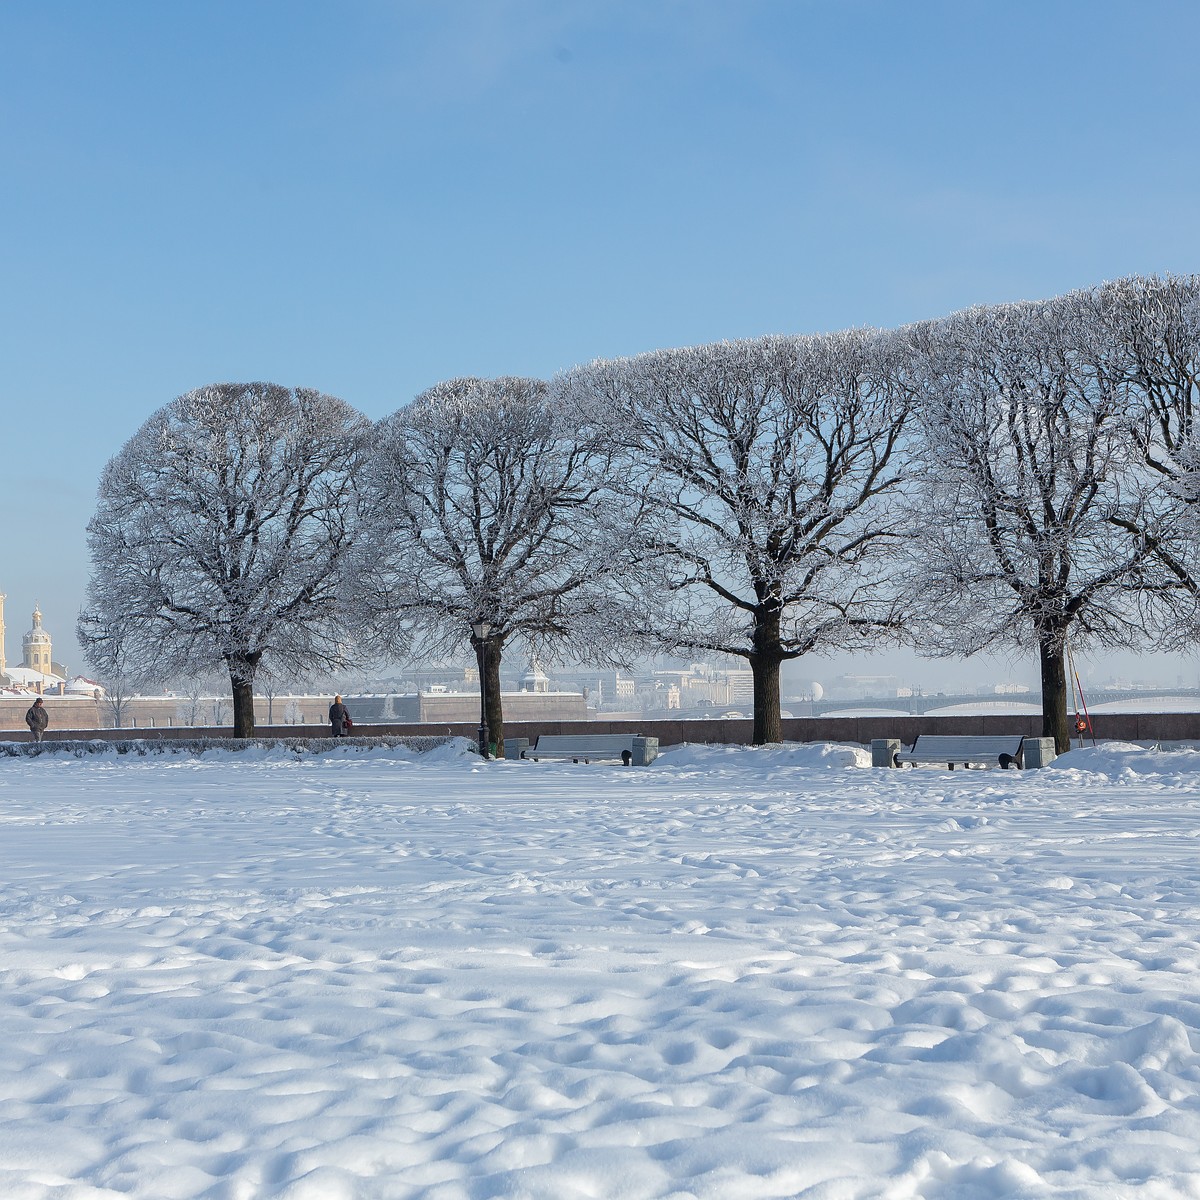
(975, 748)
(585, 743)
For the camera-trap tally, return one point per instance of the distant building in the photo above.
(38, 671)
(700, 685)
(741, 685)
(443, 706)
(37, 650)
(535, 679)
(604, 689)
(862, 687)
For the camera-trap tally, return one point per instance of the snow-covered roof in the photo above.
(80, 686)
(28, 676)
(19, 690)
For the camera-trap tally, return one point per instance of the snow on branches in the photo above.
(1010, 476)
(1026, 464)
(487, 503)
(1153, 326)
(220, 533)
(772, 465)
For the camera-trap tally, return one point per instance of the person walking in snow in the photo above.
(37, 718)
(339, 718)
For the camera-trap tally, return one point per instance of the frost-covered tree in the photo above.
(486, 502)
(268, 687)
(1027, 461)
(111, 653)
(773, 466)
(190, 707)
(1154, 326)
(220, 533)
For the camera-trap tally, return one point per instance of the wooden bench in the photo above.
(595, 747)
(970, 750)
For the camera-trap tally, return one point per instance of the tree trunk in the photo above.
(241, 678)
(768, 724)
(491, 712)
(764, 666)
(1052, 652)
(494, 702)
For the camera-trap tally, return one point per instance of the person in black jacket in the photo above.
(339, 718)
(37, 718)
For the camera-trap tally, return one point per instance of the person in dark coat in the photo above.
(37, 718)
(339, 718)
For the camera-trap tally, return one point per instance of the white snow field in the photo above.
(734, 974)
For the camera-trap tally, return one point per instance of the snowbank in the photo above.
(788, 755)
(246, 748)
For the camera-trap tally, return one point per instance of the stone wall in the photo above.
(463, 707)
(1130, 727)
(155, 712)
(145, 712)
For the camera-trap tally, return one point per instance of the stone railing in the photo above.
(1129, 727)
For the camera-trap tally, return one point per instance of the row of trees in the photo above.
(1022, 476)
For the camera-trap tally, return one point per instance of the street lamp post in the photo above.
(481, 630)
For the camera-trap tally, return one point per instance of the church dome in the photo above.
(39, 654)
(535, 679)
(37, 633)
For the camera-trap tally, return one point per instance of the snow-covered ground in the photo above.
(734, 974)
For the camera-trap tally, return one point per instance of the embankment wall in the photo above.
(1129, 727)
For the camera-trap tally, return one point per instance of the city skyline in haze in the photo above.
(902, 665)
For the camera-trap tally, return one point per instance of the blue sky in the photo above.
(371, 197)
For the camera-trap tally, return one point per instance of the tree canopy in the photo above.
(219, 536)
(487, 503)
(772, 466)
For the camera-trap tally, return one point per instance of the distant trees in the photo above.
(774, 468)
(110, 648)
(485, 510)
(219, 536)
